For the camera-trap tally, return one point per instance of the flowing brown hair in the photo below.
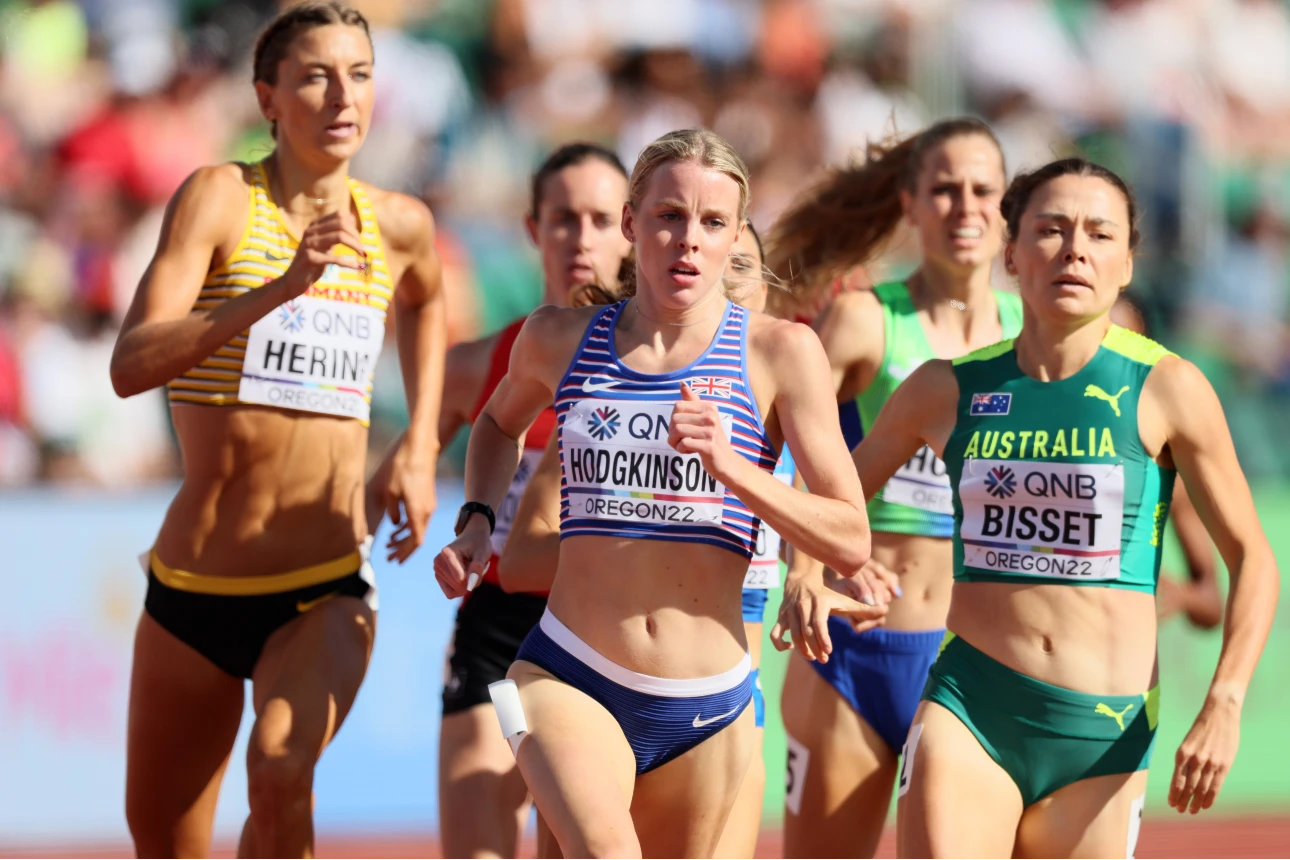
(846, 218)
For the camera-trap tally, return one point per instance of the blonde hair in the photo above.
(699, 145)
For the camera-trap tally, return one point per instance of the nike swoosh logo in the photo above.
(274, 258)
(700, 723)
(303, 606)
(588, 387)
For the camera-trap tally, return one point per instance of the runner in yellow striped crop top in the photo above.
(323, 377)
(268, 293)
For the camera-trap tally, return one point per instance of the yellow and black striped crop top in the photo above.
(315, 353)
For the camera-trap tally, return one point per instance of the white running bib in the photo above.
(763, 570)
(1043, 519)
(314, 355)
(922, 483)
(617, 465)
(510, 504)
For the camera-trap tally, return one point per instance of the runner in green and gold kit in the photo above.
(847, 707)
(1038, 717)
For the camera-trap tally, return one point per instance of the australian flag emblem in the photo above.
(990, 404)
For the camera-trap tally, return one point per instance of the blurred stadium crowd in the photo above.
(106, 105)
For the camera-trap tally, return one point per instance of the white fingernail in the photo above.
(472, 581)
(866, 600)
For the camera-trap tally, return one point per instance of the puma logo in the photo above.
(1105, 710)
(1096, 391)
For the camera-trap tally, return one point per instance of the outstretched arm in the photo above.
(538, 360)
(421, 321)
(1183, 415)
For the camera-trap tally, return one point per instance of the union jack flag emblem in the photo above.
(712, 386)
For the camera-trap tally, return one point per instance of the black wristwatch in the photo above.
(474, 508)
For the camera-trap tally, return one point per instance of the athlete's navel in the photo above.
(1046, 642)
(651, 626)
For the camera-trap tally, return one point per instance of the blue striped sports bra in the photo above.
(619, 477)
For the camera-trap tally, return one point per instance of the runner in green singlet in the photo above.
(1038, 717)
(847, 713)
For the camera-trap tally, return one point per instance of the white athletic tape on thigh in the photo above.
(1135, 824)
(907, 758)
(368, 574)
(799, 759)
(510, 712)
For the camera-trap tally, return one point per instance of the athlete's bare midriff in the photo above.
(265, 491)
(924, 566)
(661, 608)
(1094, 640)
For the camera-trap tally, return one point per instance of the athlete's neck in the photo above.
(300, 187)
(953, 298)
(553, 296)
(1049, 352)
(648, 322)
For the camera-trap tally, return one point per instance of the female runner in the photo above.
(1061, 447)
(267, 297)
(847, 714)
(531, 556)
(636, 681)
(577, 202)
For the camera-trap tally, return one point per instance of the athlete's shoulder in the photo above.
(216, 186)
(851, 307)
(405, 221)
(985, 353)
(781, 339)
(850, 324)
(1135, 347)
(1174, 378)
(210, 204)
(470, 357)
(551, 327)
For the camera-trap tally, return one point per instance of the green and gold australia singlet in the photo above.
(1051, 483)
(916, 501)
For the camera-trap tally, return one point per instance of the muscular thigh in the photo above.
(482, 797)
(954, 800)
(840, 772)
(681, 808)
(577, 764)
(1095, 817)
(184, 715)
(309, 674)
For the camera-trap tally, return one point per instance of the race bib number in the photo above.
(314, 355)
(907, 753)
(922, 483)
(506, 513)
(1043, 519)
(763, 570)
(618, 466)
(799, 759)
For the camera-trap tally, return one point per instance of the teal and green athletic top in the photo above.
(1051, 483)
(916, 501)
